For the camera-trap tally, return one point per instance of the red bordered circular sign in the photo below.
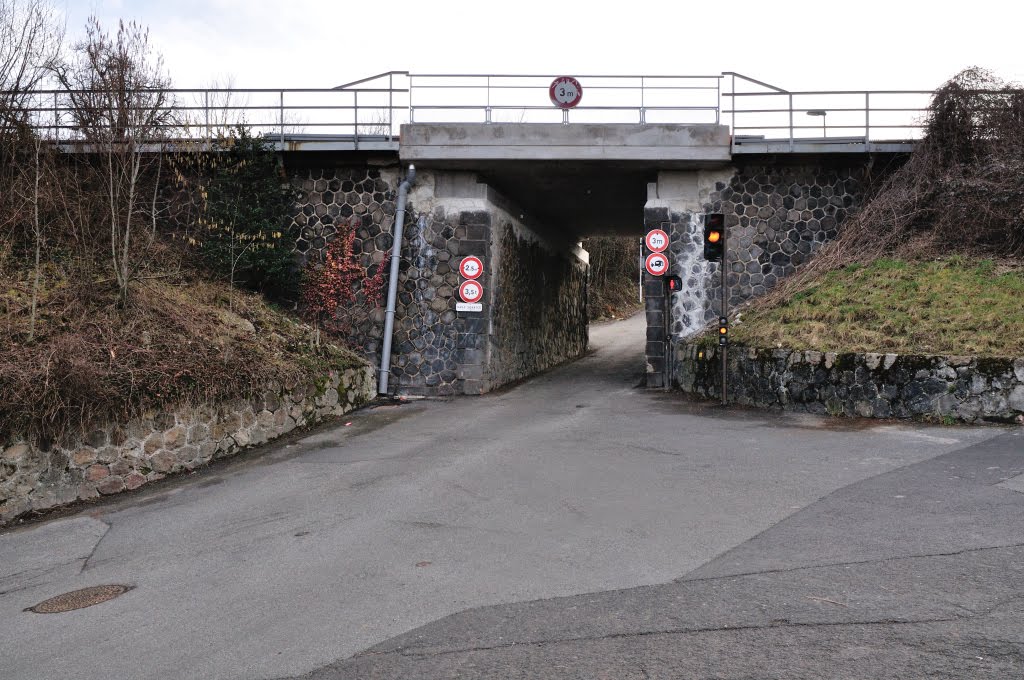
(471, 291)
(656, 240)
(565, 92)
(471, 267)
(656, 264)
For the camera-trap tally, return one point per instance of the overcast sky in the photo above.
(864, 44)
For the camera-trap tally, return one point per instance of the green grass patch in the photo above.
(953, 306)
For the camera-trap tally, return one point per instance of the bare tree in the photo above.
(121, 108)
(30, 43)
(30, 40)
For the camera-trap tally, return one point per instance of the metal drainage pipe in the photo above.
(396, 249)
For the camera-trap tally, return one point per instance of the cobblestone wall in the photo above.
(360, 198)
(126, 456)
(964, 389)
(540, 305)
(777, 218)
(433, 344)
(534, 308)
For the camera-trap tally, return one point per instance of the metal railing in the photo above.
(353, 113)
(373, 109)
(446, 98)
(772, 114)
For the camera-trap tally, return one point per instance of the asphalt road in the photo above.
(574, 526)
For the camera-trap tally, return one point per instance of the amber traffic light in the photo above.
(714, 237)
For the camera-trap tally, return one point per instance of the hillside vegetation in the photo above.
(139, 277)
(933, 261)
(947, 306)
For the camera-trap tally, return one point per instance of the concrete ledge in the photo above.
(941, 388)
(656, 144)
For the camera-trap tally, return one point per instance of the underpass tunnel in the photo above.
(524, 223)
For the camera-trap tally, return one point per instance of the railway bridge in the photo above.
(508, 173)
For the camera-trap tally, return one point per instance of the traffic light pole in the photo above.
(725, 307)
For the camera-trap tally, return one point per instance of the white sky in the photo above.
(829, 44)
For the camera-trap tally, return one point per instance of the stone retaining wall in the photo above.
(118, 458)
(539, 312)
(965, 389)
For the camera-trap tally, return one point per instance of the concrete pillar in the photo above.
(672, 203)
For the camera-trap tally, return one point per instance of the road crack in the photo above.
(95, 547)
(668, 631)
(852, 563)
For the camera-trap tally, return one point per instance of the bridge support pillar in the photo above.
(533, 311)
(674, 204)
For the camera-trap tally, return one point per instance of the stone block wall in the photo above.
(433, 344)
(539, 310)
(125, 456)
(361, 198)
(966, 389)
(777, 217)
(534, 307)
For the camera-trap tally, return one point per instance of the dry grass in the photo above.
(950, 306)
(178, 339)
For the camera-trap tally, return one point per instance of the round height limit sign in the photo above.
(565, 92)
(656, 240)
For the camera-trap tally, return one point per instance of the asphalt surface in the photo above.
(574, 526)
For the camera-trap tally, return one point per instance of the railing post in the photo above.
(643, 111)
(732, 113)
(718, 97)
(206, 108)
(790, 122)
(56, 119)
(355, 119)
(391, 105)
(867, 118)
(411, 109)
(487, 111)
(282, 119)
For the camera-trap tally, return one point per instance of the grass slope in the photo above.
(950, 306)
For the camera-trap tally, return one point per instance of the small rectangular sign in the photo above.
(469, 307)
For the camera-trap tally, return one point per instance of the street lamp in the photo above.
(822, 113)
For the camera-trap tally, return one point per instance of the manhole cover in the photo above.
(79, 599)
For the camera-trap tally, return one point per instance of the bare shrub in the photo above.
(614, 275)
(960, 192)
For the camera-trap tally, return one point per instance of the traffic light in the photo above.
(723, 331)
(714, 237)
(674, 284)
